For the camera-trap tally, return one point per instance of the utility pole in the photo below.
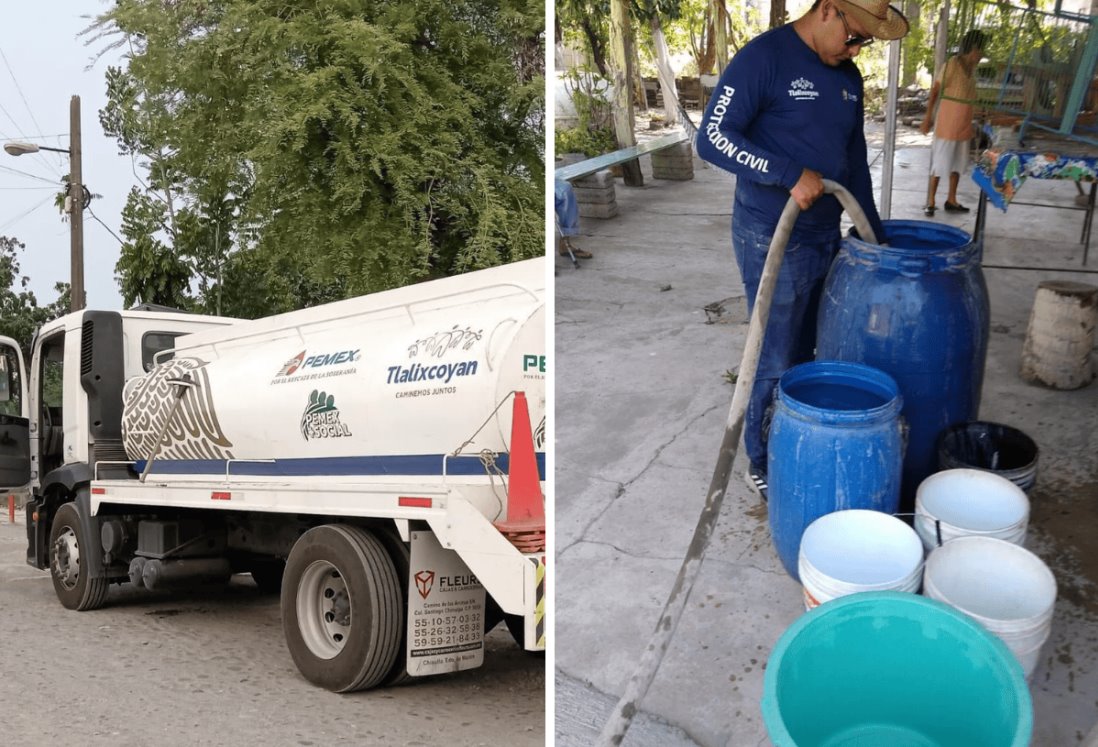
(76, 208)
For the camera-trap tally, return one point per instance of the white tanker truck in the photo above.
(380, 460)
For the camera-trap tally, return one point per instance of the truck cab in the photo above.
(62, 417)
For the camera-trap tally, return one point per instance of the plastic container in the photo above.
(1004, 587)
(968, 502)
(847, 552)
(997, 448)
(917, 310)
(835, 443)
(884, 668)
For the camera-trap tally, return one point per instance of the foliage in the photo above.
(589, 21)
(304, 151)
(20, 313)
(582, 140)
(593, 133)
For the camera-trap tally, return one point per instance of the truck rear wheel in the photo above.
(71, 582)
(341, 608)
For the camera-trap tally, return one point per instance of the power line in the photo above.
(112, 233)
(19, 88)
(10, 170)
(24, 189)
(28, 212)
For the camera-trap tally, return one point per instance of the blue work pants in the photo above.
(791, 329)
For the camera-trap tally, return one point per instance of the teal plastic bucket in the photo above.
(888, 668)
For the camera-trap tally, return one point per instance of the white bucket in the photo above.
(1004, 587)
(970, 502)
(846, 552)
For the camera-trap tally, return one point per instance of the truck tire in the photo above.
(342, 608)
(402, 559)
(74, 588)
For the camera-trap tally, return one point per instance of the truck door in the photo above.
(14, 423)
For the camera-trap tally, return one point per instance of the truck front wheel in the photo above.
(68, 563)
(342, 608)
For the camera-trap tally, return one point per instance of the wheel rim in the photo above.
(66, 558)
(323, 609)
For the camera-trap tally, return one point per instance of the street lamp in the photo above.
(76, 198)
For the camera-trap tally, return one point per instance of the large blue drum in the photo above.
(835, 443)
(918, 310)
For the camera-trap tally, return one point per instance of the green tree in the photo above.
(20, 313)
(297, 151)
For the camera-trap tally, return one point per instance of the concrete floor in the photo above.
(641, 402)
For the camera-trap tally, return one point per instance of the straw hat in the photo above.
(877, 17)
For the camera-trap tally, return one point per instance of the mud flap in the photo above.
(445, 610)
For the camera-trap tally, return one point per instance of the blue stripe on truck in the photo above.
(404, 464)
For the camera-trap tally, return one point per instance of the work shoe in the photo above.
(755, 477)
(566, 246)
(955, 207)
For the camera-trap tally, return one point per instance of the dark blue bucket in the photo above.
(835, 443)
(917, 310)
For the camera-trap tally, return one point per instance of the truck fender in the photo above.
(68, 477)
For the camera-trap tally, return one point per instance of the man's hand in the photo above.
(808, 189)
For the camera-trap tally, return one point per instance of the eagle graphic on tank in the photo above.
(194, 431)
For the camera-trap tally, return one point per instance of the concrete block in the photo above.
(608, 210)
(597, 195)
(598, 179)
(673, 173)
(1060, 336)
(675, 163)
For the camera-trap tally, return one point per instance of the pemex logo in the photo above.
(292, 365)
(425, 581)
(321, 418)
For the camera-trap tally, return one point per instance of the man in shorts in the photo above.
(953, 93)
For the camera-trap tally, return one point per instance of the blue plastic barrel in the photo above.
(835, 443)
(885, 668)
(916, 309)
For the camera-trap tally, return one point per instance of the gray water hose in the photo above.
(614, 731)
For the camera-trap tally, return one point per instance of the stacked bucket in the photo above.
(901, 346)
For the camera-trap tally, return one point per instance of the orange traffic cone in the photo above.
(525, 523)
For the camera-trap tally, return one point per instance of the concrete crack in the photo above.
(624, 486)
(627, 553)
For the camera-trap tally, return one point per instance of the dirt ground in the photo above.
(210, 667)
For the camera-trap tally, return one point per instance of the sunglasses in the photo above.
(853, 40)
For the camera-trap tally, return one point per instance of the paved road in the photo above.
(193, 668)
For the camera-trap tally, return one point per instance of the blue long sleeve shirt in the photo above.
(778, 110)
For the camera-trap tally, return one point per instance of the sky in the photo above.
(43, 64)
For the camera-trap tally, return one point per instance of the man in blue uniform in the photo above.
(787, 113)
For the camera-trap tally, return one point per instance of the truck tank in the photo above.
(411, 385)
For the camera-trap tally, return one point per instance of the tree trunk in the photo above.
(666, 73)
(777, 13)
(720, 25)
(621, 58)
(913, 11)
(636, 82)
(598, 55)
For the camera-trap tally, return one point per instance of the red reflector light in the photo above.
(414, 502)
(216, 496)
(99, 491)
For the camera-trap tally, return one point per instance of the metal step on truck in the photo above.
(380, 460)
